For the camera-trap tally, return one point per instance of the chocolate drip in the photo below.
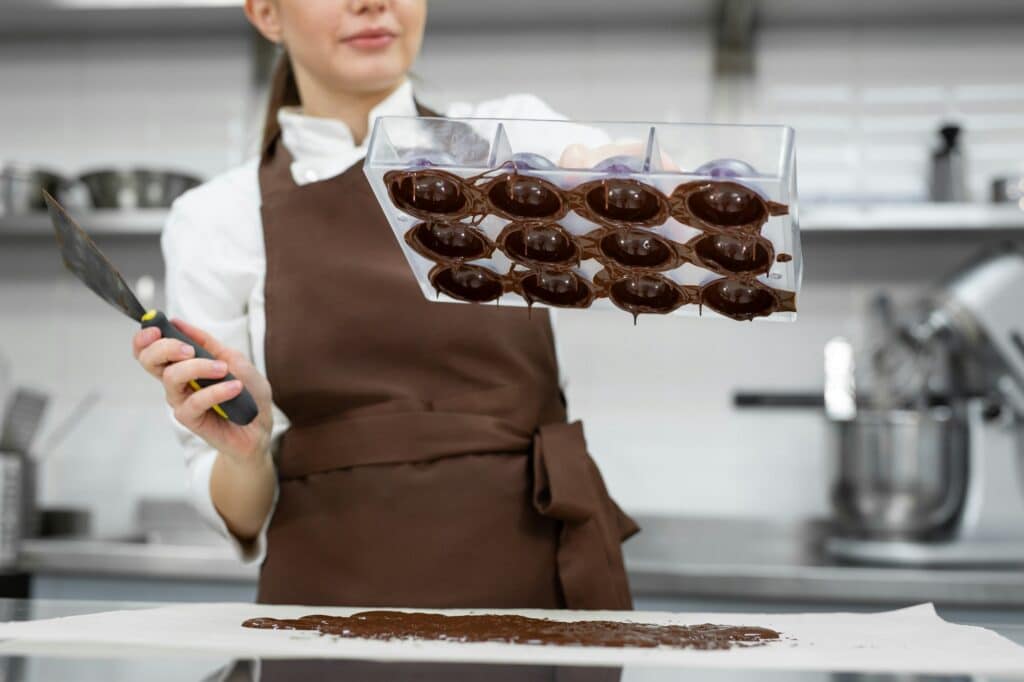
(727, 204)
(539, 245)
(633, 248)
(638, 294)
(559, 289)
(738, 299)
(443, 241)
(624, 200)
(734, 254)
(510, 629)
(430, 192)
(522, 196)
(470, 283)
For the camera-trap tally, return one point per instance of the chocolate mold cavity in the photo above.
(727, 204)
(520, 197)
(539, 245)
(636, 248)
(428, 193)
(738, 300)
(448, 241)
(645, 293)
(562, 289)
(621, 202)
(470, 283)
(722, 205)
(728, 253)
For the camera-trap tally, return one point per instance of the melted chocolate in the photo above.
(532, 245)
(726, 204)
(470, 283)
(645, 294)
(730, 216)
(634, 248)
(443, 241)
(510, 629)
(561, 289)
(624, 201)
(522, 196)
(737, 299)
(739, 254)
(427, 192)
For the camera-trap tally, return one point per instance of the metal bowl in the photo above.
(136, 188)
(21, 188)
(901, 474)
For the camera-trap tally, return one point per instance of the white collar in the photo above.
(324, 147)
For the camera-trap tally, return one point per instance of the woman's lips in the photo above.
(370, 40)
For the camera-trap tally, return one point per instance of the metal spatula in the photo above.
(84, 259)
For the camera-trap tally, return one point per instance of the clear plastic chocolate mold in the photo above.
(641, 218)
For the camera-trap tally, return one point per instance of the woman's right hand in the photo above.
(175, 365)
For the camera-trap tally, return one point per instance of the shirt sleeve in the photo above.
(208, 283)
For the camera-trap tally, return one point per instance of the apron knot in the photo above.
(567, 487)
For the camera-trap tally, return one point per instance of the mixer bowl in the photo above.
(901, 474)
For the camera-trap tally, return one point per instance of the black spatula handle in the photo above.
(239, 410)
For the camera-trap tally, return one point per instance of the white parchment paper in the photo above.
(913, 640)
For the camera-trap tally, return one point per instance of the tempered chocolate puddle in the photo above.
(398, 625)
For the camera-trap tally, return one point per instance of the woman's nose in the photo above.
(368, 6)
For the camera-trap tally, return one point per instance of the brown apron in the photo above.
(428, 462)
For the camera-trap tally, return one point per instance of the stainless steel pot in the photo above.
(138, 188)
(901, 474)
(21, 188)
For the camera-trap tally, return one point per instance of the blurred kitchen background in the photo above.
(179, 84)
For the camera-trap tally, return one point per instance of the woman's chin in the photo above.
(371, 75)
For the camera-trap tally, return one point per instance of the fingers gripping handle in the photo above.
(239, 410)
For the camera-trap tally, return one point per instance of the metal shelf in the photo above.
(64, 17)
(814, 218)
(922, 217)
(189, 16)
(140, 222)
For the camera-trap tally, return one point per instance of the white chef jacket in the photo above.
(215, 260)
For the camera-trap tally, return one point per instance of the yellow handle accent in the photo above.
(149, 316)
(216, 408)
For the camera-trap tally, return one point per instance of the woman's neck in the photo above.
(351, 108)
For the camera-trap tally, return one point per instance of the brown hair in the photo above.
(284, 92)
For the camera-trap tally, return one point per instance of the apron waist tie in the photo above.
(567, 485)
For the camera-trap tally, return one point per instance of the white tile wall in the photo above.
(655, 397)
(867, 101)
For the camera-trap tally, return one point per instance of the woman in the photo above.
(414, 454)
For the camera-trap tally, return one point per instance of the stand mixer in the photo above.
(931, 475)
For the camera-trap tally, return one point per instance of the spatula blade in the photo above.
(84, 259)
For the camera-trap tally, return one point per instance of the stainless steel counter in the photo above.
(692, 559)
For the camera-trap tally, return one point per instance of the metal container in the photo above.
(137, 188)
(21, 188)
(1008, 189)
(12, 507)
(901, 474)
(948, 179)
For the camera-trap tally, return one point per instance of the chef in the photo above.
(405, 453)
